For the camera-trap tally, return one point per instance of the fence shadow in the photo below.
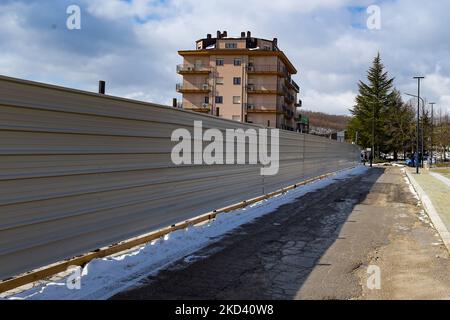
(270, 258)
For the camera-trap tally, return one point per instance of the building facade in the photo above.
(243, 79)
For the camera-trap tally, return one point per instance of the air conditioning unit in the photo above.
(251, 87)
(205, 86)
(190, 68)
(250, 106)
(205, 105)
(251, 68)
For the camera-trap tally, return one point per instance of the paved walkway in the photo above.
(437, 190)
(320, 247)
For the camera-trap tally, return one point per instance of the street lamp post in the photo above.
(418, 121)
(372, 152)
(432, 131)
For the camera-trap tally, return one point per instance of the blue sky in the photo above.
(133, 44)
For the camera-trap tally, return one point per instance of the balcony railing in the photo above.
(188, 68)
(197, 107)
(262, 68)
(193, 87)
(264, 88)
(288, 112)
(252, 107)
(289, 98)
(292, 84)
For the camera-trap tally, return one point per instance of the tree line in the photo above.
(381, 118)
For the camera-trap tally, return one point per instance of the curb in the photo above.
(431, 211)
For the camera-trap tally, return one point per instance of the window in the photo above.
(219, 80)
(219, 99)
(236, 80)
(206, 100)
(236, 99)
(219, 62)
(237, 62)
(231, 45)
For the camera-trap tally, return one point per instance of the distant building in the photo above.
(302, 124)
(341, 136)
(338, 136)
(244, 79)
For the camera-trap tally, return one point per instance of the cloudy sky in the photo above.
(133, 44)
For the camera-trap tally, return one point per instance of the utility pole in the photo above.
(418, 122)
(432, 132)
(423, 135)
(372, 152)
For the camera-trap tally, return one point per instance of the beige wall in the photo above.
(228, 90)
(264, 60)
(193, 60)
(241, 44)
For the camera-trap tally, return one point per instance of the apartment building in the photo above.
(240, 78)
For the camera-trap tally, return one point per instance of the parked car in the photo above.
(409, 162)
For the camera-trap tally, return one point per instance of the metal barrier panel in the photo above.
(79, 171)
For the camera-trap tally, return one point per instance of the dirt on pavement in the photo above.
(320, 247)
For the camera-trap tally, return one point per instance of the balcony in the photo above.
(193, 87)
(265, 69)
(265, 88)
(192, 69)
(289, 98)
(288, 112)
(254, 108)
(292, 84)
(201, 107)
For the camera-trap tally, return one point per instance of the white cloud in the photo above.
(133, 44)
(334, 103)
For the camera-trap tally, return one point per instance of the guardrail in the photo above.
(80, 171)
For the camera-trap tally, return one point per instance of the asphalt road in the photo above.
(320, 247)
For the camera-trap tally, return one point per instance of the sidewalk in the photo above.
(434, 192)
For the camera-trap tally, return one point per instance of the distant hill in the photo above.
(323, 123)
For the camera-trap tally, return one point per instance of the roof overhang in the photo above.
(231, 52)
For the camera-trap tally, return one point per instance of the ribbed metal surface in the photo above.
(79, 171)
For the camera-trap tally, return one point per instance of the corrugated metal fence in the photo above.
(79, 171)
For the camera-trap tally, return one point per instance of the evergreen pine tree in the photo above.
(372, 105)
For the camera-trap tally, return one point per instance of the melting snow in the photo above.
(102, 278)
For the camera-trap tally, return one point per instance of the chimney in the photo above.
(208, 36)
(225, 34)
(218, 34)
(249, 34)
(101, 87)
(174, 102)
(275, 42)
(243, 34)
